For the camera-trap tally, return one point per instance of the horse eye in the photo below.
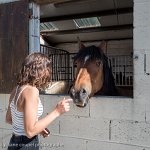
(98, 63)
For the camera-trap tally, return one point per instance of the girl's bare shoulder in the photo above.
(30, 91)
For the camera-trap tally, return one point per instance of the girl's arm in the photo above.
(32, 126)
(8, 113)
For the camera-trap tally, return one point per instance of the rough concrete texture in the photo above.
(107, 123)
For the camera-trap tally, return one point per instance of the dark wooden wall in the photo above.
(14, 22)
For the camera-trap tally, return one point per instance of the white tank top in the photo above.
(18, 117)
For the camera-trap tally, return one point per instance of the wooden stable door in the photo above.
(14, 22)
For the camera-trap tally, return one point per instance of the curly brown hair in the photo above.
(35, 71)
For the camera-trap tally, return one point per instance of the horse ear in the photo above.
(81, 45)
(102, 45)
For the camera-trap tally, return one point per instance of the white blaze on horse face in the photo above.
(86, 58)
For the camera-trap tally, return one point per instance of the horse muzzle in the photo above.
(80, 97)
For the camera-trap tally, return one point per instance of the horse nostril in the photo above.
(83, 91)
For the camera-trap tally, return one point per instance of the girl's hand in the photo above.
(63, 106)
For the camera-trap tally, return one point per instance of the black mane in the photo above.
(96, 53)
(92, 51)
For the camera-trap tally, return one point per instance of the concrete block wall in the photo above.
(5, 129)
(107, 123)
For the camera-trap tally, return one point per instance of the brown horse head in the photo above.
(90, 77)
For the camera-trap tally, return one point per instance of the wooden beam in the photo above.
(104, 39)
(88, 14)
(88, 30)
(63, 4)
(42, 2)
(46, 40)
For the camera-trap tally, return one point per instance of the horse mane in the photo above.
(109, 87)
(94, 52)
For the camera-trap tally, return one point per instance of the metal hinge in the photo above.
(146, 65)
(30, 13)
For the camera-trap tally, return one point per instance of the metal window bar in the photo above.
(60, 62)
(122, 68)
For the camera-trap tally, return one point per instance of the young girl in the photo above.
(25, 106)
